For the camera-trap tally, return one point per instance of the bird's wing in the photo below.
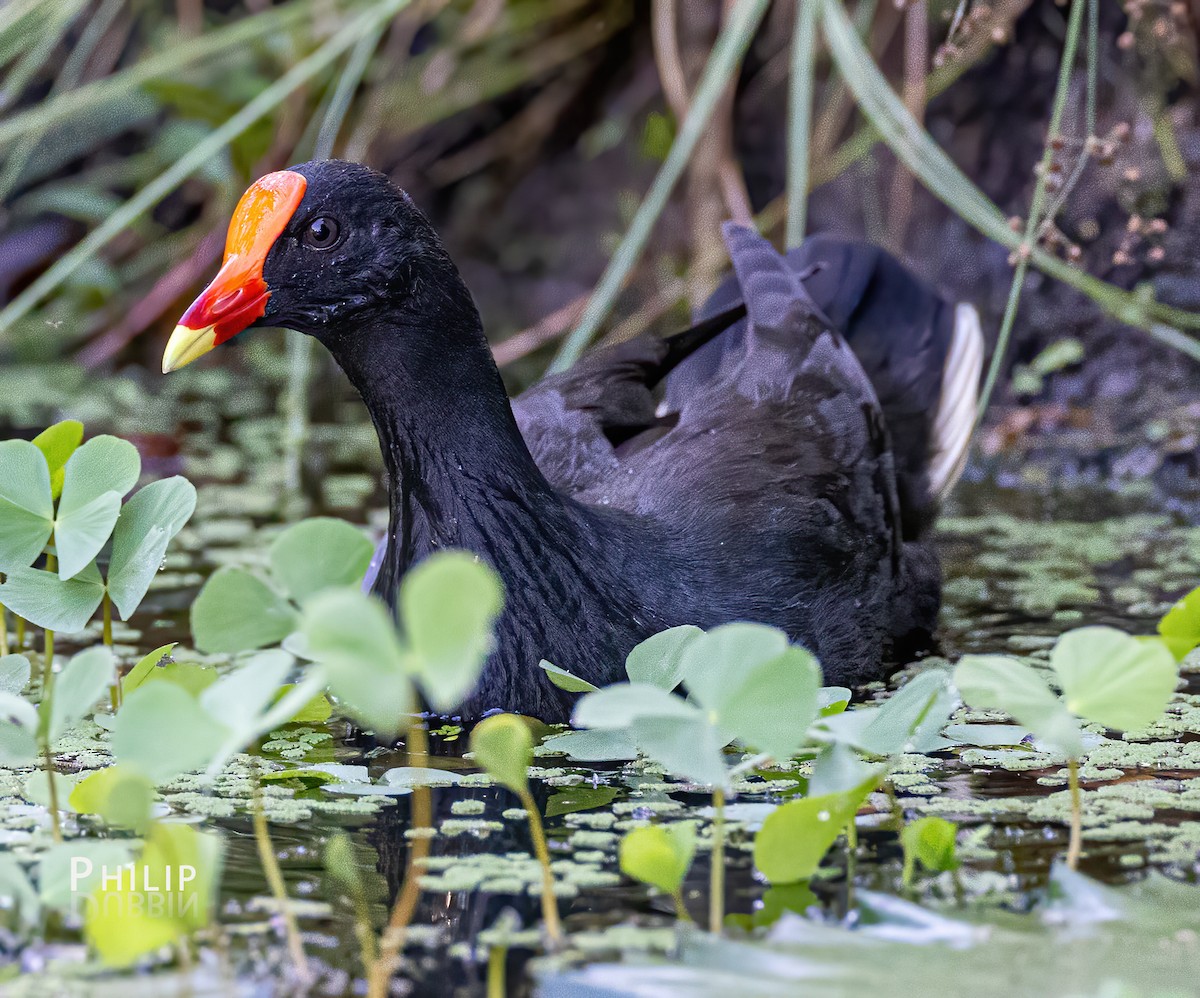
(578, 423)
(923, 355)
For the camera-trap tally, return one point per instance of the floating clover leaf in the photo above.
(121, 795)
(319, 554)
(57, 443)
(658, 659)
(95, 478)
(1180, 626)
(448, 606)
(795, 837)
(238, 611)
(659, 855)
(14, 673)
(166, 895)
(77, 689)
(503, 746)
(353, 637)
(565, 680)
(26, 504)
(147, 524)
(50, 602)
(999, 683)
(930, 842)
(749, 684)
(1112, 678)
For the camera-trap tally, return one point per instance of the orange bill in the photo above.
(238, 294)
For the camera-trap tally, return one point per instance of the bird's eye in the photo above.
(322, 233)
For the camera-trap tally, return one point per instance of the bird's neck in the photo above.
(460, 473)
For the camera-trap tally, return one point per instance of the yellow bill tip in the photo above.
(186, 345)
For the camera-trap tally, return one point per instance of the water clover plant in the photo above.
(1106, 676)
(28, 732)
(930, 841)
(503, 745)
(661, 855)
(239, 610)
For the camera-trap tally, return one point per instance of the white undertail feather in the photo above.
(955, 420)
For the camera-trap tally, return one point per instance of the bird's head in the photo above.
(316, 248)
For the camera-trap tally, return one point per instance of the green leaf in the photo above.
(57, 443)
(17, 891)
(318, 710)
(26, 506)
(146, 667)
(96, 476)
(120, 795)
(795, 837)
(503, 746)
(913, 715)
(659, 855)
(318, 554)
(50, 602)
(619, 705)
(1112, 678)
(833, 700)
(995, 682)
(237, 611)
(353, 636)
(239, 697)
(930, 842)
(771, 707)
(448, 606)
(149, 907)
(70, 871)
(837, 769)
(580, 798)
(14, 674)
(163, 731)
(565, 680)
(659, 659)
(713, 662)
(614, 745)
(1180, 626)
(18, 731)
(78, 687)
(148, 522)
(690, 747)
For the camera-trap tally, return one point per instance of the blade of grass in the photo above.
(197, 156)
(299, 346)
(804, 46)
(726, 56)
(1065, 66)
(944, 180)
(35, 57)
(167, 64)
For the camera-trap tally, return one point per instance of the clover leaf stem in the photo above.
(274, 875)
(3, 630)
(1075, 845)
(542, 851)
(115, 694)
(392, 940)
(497, 957)
(48, 765)
(716, 887)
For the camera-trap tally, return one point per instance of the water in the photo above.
(1030, 550)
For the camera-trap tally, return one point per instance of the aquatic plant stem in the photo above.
(19, 633)
(497, 957)
(115, 696)
(719, 71)
(681, 911)
(1032, 223)
(392, 940)
(3, 630)
(1075, 844)
(716, 880)
(274, 875)
(542, 851)
(803, 82)
(52, 785)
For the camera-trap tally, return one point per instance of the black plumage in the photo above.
(745, 470)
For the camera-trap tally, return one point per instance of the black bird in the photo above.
(782, 461)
